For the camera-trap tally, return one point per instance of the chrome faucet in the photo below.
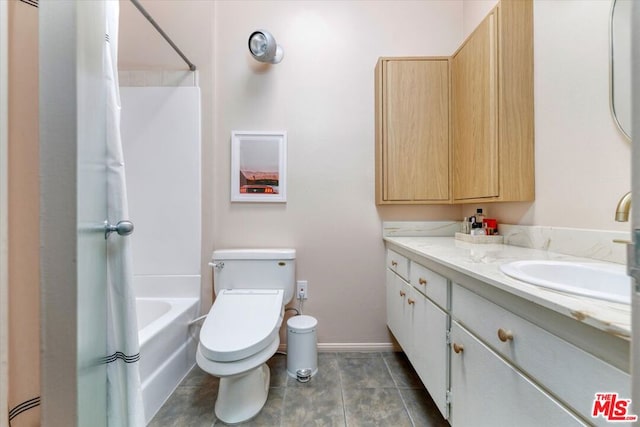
(623, 208)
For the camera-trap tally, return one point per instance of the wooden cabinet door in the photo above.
(487, 391)
(429, 355)
(415, 130)
(474, 94)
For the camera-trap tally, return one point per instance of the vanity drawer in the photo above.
(429, 283)
(573, 375)
(398, 263)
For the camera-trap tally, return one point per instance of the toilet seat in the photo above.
(230, 369)
(241, 323)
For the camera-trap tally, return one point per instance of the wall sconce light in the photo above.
(263, 47)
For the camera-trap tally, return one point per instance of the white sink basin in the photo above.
(607, 282)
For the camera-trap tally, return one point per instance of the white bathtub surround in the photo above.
(161, 138)
(124, 396)
(594, 244)
(161, 286)
(158, 78)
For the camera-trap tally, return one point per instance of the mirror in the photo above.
(620, 64)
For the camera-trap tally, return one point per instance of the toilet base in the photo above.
(241, 397)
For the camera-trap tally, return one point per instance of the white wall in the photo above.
(473, 12)
(582, 160)
(322, 94)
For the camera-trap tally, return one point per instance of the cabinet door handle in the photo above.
(422, 281)
(505, 335)
(411, 301)
(394, 264)
(458, 348)
(402, 293)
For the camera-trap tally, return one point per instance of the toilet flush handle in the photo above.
(217, 265)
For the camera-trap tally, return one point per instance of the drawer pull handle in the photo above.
(394, 264)
(458, 348)
(505, 336)
(411, 301)
(422, 281)
(402, 293)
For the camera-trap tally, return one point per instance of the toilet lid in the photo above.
(241, 322)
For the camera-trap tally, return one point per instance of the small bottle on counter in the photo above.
(491, 226)
(480, 217)
(477, 229)
(465, 226)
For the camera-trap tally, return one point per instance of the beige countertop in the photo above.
(482, 262)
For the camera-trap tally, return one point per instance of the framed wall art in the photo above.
(259, 166)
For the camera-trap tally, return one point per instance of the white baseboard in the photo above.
(366, 347)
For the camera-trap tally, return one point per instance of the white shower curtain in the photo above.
(124, 394)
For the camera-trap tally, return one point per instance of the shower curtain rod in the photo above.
(144, 12)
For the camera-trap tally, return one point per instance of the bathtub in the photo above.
(167, 345)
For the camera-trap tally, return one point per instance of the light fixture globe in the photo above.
(263, 47)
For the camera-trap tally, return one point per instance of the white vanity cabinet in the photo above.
(490, 358)
(398, 320)
(429, 354)
(487, 391)
(419, 325)
(570, 373)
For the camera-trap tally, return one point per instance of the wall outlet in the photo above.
(302, 289)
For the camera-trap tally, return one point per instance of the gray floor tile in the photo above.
(187, 406)
(278, 367)
(352, 389)
(375, 407)
(271, 413)
(401, 370)
(364, 373)
(327, 375)
(199, 378)
(313, 405)
(422, 409)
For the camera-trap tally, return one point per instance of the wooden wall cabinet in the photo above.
(492, 108)
(412, 130)
(460, 129)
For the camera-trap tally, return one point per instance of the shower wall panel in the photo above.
(161, 140)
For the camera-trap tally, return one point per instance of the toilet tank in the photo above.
(255, 269)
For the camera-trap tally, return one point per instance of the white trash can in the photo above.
(302, 354)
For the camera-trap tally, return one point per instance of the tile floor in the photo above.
(350, 389)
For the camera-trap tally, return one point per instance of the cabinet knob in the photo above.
(458, 348)
(402, 293)
(505, 336)
(411, 301)
(394, 264)
(422, 281)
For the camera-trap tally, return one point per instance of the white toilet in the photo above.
(241, 332)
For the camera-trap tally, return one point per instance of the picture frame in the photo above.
(259, 166)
